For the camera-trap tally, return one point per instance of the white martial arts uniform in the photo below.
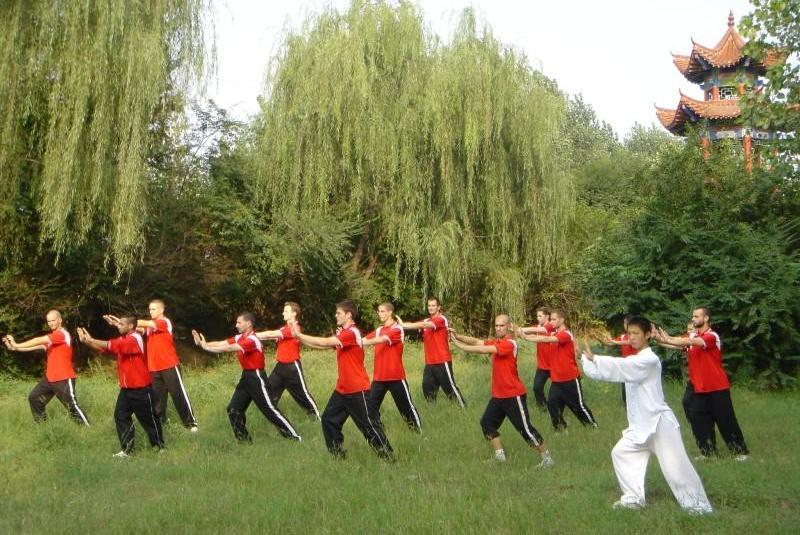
(652, 428)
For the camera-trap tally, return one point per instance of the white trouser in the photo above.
(630, 464)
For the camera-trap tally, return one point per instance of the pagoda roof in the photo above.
(727, 53)
(692, 110)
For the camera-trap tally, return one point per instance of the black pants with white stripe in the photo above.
(289, 376)
(64, 390)
(402, 398)
(516, 410)
(171, 380)
(252, 387)
(142, 403)
(539, 380)
(568, 393)
(704, 411)
(437, 376)
(355, 406)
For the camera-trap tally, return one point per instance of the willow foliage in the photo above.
(81, 81)
(443, 152)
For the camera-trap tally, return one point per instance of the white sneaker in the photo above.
(500, 456)
(619, 504)
(741, 458)
(121, 455)
(547, 462)
(193, 429)
(700, 458)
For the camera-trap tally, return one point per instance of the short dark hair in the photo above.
(544, 310)
(294, 306)
(705, 311)
(388, 305)
(640, 321)
(129, 320)
(348, 306)
(248, 316)
(158, 302)
(559, 312)
(627, 318)
(434, 298)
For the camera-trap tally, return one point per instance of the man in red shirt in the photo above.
(162, 360)
(509, 397)
(288, 372)
(59, 377)
(136, 394)
(252, 385)
(565, 385)
(388, 374)
(350, 397)
(624, 345)
(707, 400)
(438, 360)
(543, 352)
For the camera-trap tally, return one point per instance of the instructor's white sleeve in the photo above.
(633, 369)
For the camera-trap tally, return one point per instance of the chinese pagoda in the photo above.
(724, 73)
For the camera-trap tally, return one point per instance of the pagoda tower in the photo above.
(724, 73)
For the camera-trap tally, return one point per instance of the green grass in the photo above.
(59, 477)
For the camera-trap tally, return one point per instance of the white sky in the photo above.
(615, 52)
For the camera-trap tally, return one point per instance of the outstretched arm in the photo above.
(417, 325)
(86, 338)
(470, 347)
(616, 369)
(144, 324)
(611, 342)
(464, 339)
(317, 342)
(34, 344)
(535, 337)
(269, 335)
(220, 346)
(662, 337)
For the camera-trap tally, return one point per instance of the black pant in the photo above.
(64, 390)
(142, 403)
(252, 387)
(516, 409)
(170, 380)
(624, 400)
(356, 406)
(704, 411)
(402, 398)
(539, 380)
(437, 376)
(568, 393)
(289, 376)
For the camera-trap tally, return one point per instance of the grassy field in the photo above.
(59, 477)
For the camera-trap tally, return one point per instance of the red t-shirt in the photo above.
(59, 356)
(389, 355)
(251, 354)
(288, 346)
(705, 364)
(625, 349)
(350, 360)
(161, 353)
(436, 341)
(545, 350)
(563, 366)
(131, 362)
(505, 379)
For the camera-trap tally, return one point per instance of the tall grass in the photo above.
(60, 477)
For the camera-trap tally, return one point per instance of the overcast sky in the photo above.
(616, 53)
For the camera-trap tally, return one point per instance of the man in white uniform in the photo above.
(652, 426)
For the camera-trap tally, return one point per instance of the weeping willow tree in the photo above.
(443, 152)
(81, 82)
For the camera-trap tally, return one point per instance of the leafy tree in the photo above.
(81, 84)
(441, 155)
